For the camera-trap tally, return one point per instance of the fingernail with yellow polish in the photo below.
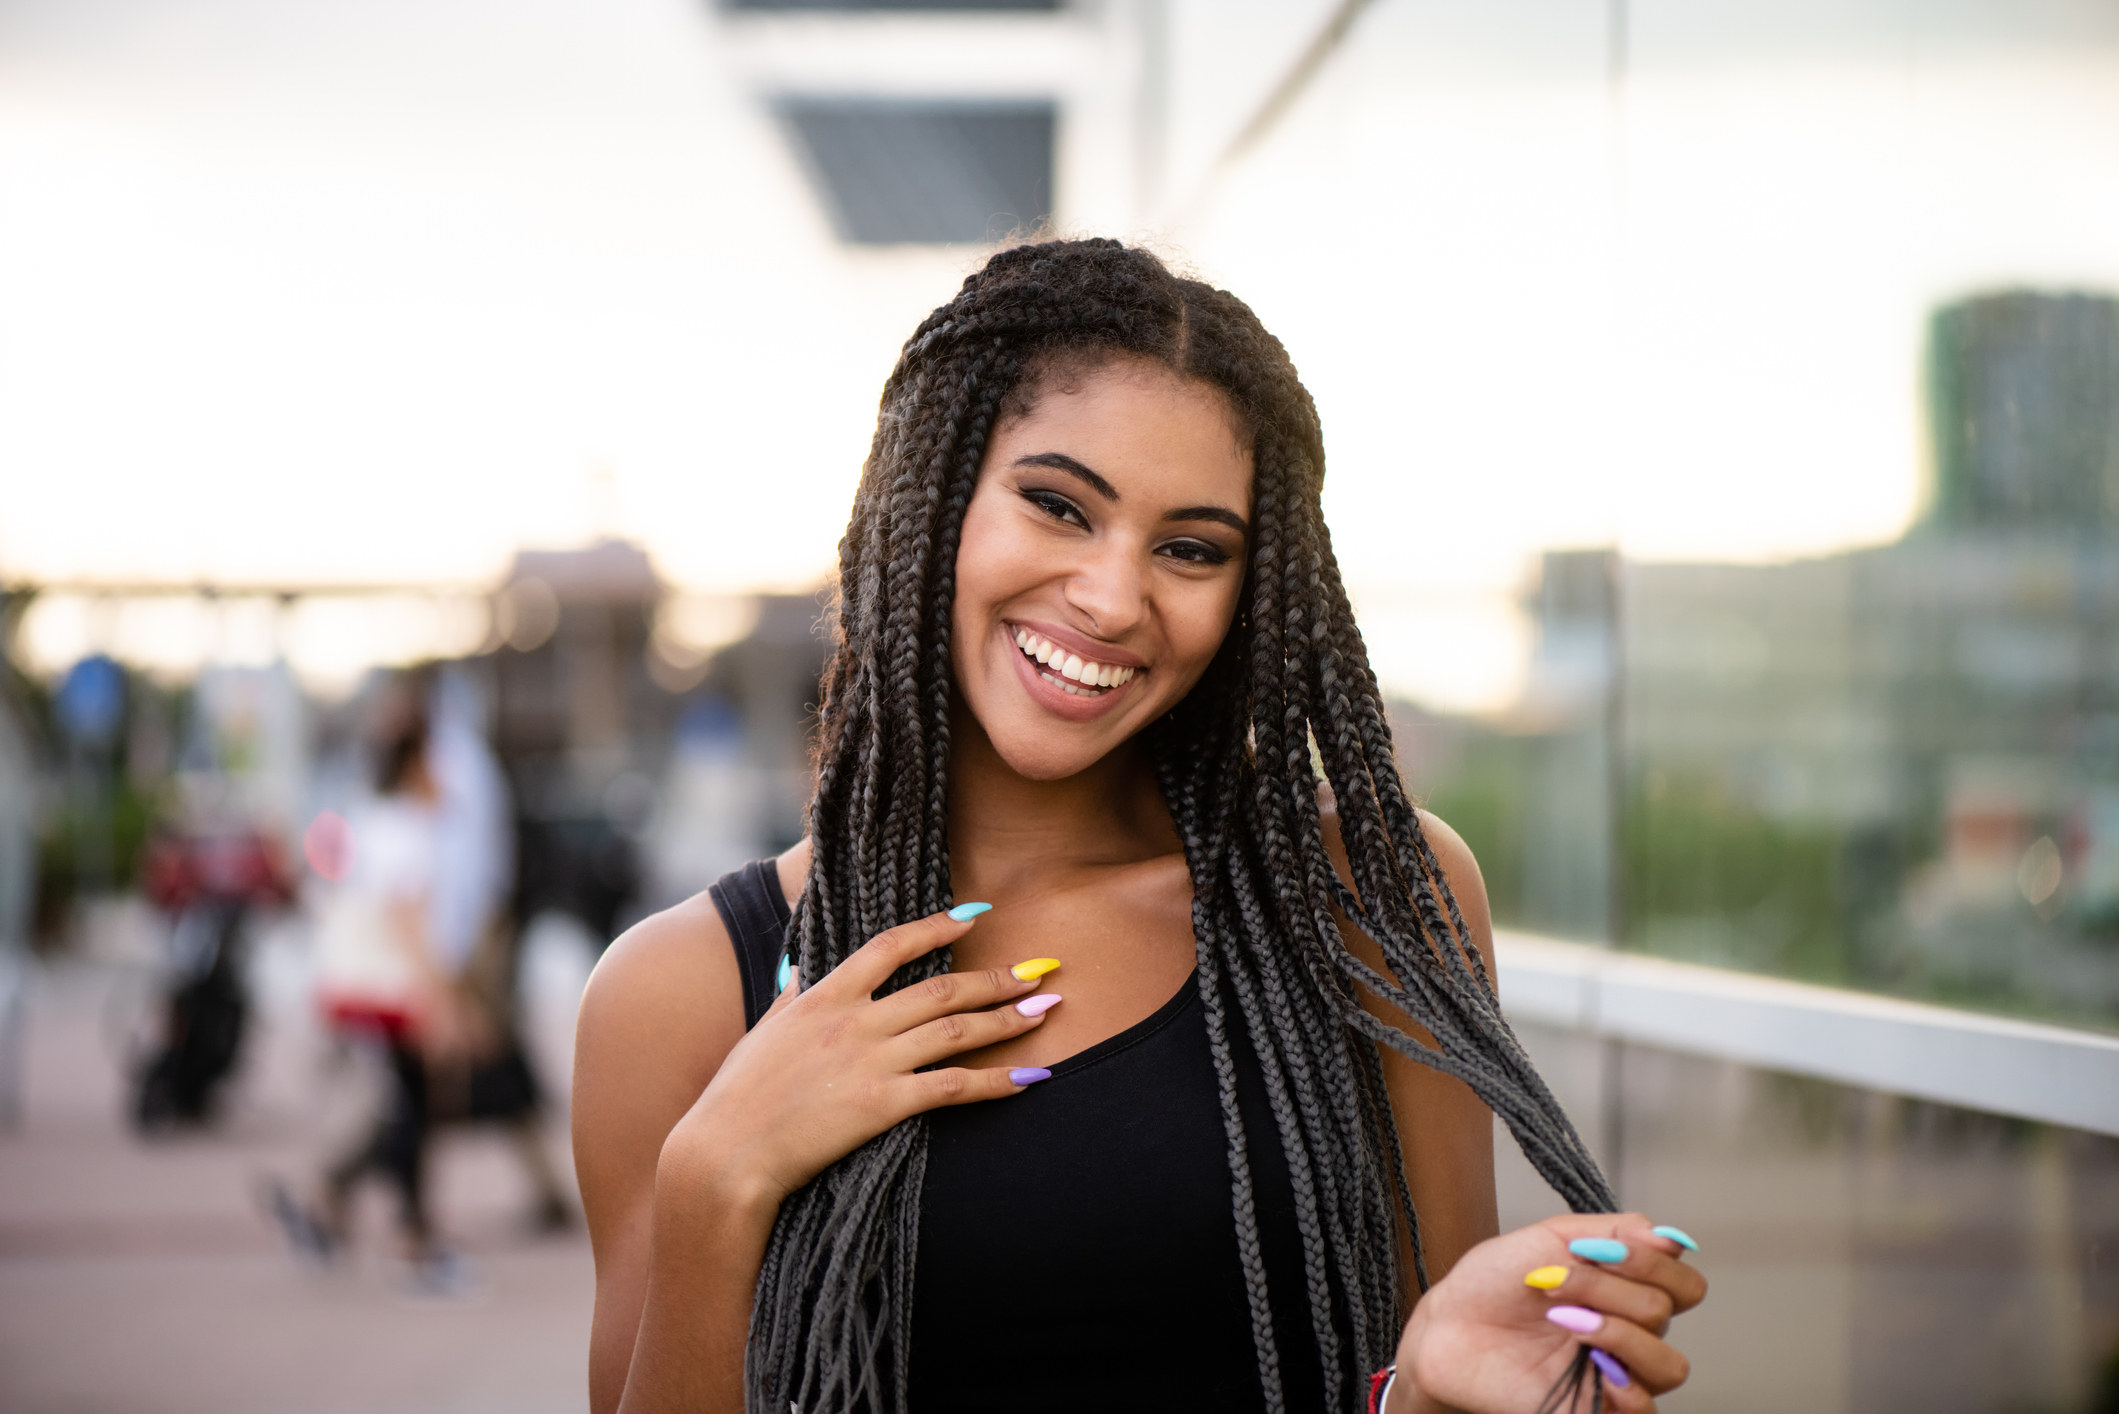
(1546, 1278)
(1035, 968)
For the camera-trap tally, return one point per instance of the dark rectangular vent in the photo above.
(896, 171)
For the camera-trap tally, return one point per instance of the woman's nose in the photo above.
(1110, 590)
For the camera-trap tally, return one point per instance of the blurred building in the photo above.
(645, 757)
(2023, 411)
(1898, 765)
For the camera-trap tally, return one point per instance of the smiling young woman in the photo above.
(1191, 1102)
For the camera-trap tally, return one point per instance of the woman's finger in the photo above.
(1625, 1243)
(1645, 1304)
(872, 964)
(915, 1006)
(962, 1031)
(1644, 1359)
(956, 1085)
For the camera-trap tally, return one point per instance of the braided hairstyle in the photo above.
(831, 1321)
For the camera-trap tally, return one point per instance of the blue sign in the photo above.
(91, 702)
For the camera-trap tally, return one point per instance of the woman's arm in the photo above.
(446, 1027)
(1445, 1132)
(1481, 1340)
(662, 1011)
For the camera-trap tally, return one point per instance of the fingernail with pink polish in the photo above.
(1579, 1319)
(1039, 1004)
(1613, 1370)
(1028, 1075)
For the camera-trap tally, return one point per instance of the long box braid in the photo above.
(1289, 693)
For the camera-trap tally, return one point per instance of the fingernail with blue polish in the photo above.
(1613, 1370)
(1598, 1249)
(1677, 1235)
(1028, 1075)
(787, 974)
(965, 912)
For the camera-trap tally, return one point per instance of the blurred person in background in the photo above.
(1094, 663)
(383, 979)
(476, 940)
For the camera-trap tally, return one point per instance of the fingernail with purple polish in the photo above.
(1028, 1075)
(1613, 1370)
(1039, 1004)
(1579, 1319)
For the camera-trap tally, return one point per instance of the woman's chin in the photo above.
(1042, 763)
(1050, 751)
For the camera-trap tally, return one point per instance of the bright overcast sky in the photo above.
(294, 290)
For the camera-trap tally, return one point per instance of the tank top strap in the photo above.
(755, 913)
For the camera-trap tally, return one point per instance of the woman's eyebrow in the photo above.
(1221, 515)
(1060, 461)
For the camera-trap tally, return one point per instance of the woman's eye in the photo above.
(1056, 506)
(1196, 552)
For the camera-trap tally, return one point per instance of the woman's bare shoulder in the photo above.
(675, 971)
(663, 1009)
(1459, 868)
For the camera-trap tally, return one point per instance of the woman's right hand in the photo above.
(830, 1066)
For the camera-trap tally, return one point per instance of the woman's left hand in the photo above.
(1488, 1340)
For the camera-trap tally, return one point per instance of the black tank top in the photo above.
(1078, 1241)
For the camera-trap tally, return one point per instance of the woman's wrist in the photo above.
(1406, 1394)
(1406, 1397)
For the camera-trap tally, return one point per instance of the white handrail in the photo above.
(2053, 1074)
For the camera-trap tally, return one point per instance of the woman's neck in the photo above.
(1005, 829)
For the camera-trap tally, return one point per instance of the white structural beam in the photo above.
(2046, 1073)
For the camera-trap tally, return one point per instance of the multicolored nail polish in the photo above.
(1546, 1278)
(1613, 1370)
(1035, 968)
(1677, 1235)
(1028, 1075)
(965, 912)
(1039, 1004)
(1579, 1319)
(1599, 1249)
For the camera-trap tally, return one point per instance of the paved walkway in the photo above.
(140, 1276)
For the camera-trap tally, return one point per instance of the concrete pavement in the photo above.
(141, 1276)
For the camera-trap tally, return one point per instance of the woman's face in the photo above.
(1102, 556)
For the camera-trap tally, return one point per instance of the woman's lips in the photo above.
(1061, 696)
(1074, 670)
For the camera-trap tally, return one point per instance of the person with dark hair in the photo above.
(1097, 725)
(379, 982)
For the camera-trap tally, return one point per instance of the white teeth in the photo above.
(1092, 676)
